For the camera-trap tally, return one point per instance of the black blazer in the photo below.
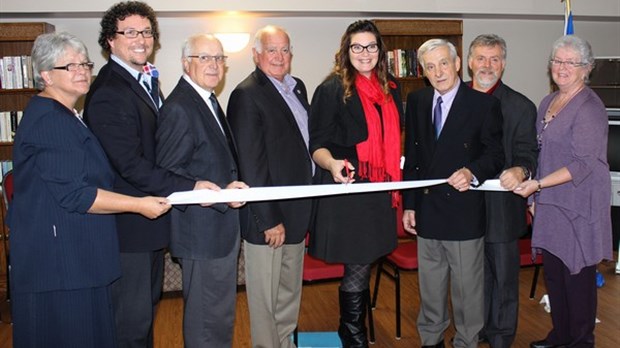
(122, 116)
(272, 152)
(506, 211)
(471, 137)
(191, 143)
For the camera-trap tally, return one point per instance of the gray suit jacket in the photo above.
(505, 210)
(191, 143)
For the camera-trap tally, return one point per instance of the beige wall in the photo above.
(315, 36)
(520, 7)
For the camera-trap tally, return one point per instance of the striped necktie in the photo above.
(153, 89)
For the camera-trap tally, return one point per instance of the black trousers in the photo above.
(135, 296)
(501, 293)
(573, 302)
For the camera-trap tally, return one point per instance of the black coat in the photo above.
(272, 152)
(505, 210)
(471, 137)
(357, 228)
(122, 116)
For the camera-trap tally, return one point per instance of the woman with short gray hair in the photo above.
(64, 247)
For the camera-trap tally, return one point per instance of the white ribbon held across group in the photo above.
(254, 194)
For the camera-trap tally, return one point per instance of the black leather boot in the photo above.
(352, 330)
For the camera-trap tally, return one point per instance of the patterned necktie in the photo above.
(437, 117)
(153, 89)
(224, 124)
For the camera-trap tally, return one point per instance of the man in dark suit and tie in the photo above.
(268, 115)
(451, 132)
(122, 113)
(194, 140)
(506, 211)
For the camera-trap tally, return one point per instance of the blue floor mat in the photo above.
(327, 339)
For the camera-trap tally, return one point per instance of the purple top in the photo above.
(573, 220)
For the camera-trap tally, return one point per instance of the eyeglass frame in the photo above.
(567, 64)
(205, 58)
(89, 66)
(367, 48)
(146, 33)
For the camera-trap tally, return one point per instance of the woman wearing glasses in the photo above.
(355, 137)
(64, 248)
(572, 225)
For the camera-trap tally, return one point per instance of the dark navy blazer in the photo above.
(58, 166)
(191, 143)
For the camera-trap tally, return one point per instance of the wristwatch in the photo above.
(526, 173)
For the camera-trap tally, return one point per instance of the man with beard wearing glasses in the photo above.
(506, 221)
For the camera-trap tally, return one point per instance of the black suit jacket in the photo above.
(272, 152)
(471, 137)
(122, 116)
(191, 143)
(505, 210)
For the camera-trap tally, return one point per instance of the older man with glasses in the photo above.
(194, 140)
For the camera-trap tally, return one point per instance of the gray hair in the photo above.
(264, 31)
(189, 44)
(577, 45)
(432, 44)
(48, 48)
(488, 40)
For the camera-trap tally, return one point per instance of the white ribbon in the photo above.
(254, 194)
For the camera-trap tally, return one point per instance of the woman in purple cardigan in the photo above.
(572, 225)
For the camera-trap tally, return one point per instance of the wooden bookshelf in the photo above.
(16, 39)
(411, 33)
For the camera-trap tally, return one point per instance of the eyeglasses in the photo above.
(371, 48)
(133, 33)
(567, 64)
(207, 59)
(76, 66)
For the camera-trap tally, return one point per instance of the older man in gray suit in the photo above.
(194, 140)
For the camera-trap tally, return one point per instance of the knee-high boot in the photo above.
(352, 330)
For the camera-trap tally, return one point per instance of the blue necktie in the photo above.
(153, 89)
(437, 117)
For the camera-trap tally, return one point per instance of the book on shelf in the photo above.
(9, 120)
(403, 63)
(16, 72)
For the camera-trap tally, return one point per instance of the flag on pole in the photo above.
(568, 18)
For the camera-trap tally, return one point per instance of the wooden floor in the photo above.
(320, 313)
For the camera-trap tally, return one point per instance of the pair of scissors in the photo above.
(347, 170)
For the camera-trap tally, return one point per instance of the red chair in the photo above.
(525, 251)
(7, 194)
(404, 257)
(319, 270)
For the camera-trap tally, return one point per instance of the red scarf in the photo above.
(379, 155)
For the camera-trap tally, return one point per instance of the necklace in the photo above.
(558, 103)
